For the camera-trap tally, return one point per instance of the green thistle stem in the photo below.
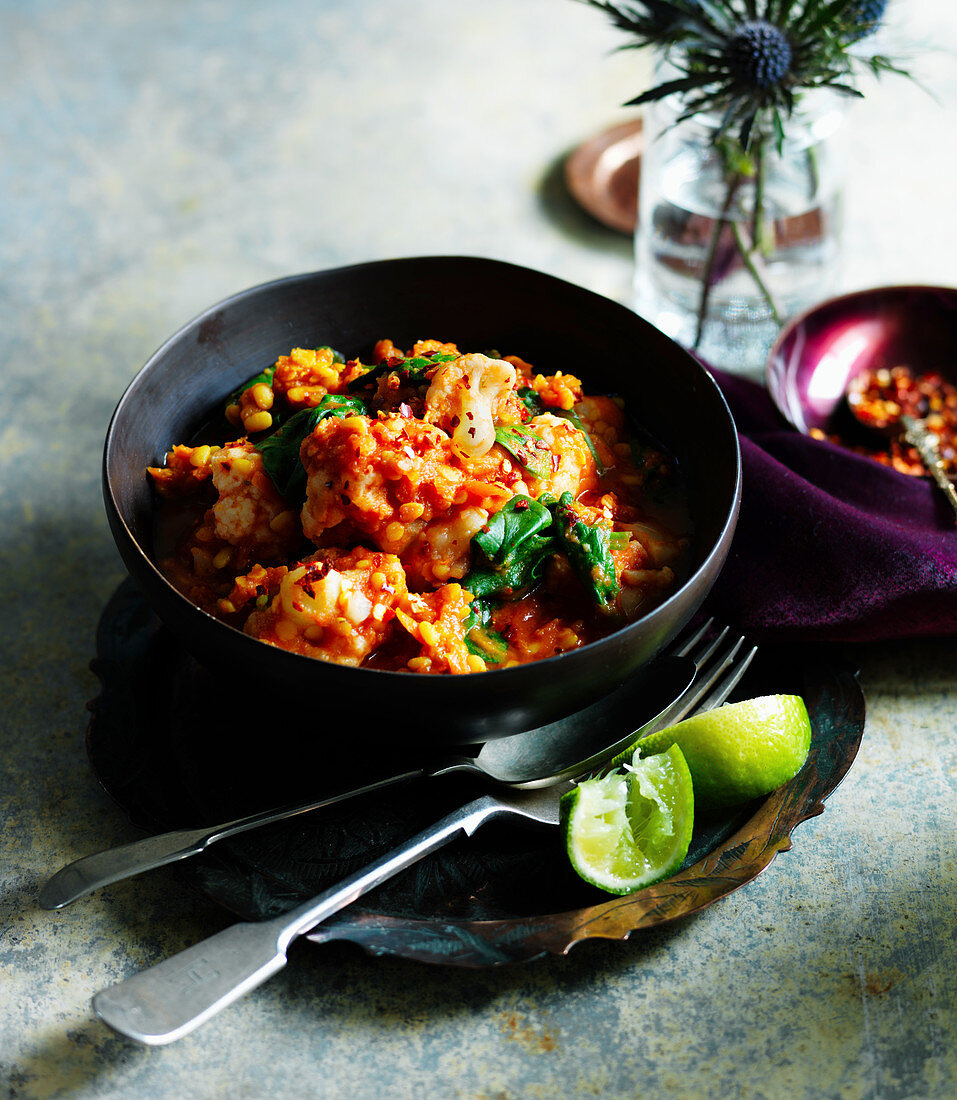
(751, 263)
(706, 275)
(757, 214)
(762, 234)
(750, 255)
(813, 171)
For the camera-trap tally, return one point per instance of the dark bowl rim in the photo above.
(776, 375)
(718, 548)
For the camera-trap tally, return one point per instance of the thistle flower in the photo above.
(746, 64)
(747, 60)
(864, 17)
(759, 56)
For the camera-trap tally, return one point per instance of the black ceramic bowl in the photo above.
(477, 303)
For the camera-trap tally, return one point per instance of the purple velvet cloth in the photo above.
(831, 545)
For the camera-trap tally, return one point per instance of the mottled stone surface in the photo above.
(158, 156)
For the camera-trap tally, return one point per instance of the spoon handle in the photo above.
(89, 873)
(918, 435)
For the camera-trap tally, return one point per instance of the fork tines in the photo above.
(721, 657)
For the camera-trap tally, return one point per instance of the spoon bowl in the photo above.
(574, 747)
(822, 362)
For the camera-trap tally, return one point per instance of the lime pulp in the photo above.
(631, 828)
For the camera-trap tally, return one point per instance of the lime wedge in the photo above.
(629, 829)
(739, 751)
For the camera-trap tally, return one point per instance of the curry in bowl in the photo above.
(429, 510)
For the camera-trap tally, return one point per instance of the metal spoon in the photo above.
(567, 749)
(886, 416)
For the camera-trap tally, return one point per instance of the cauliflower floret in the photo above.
(468, 396)
(337, 606)
(442, 550)
(249, 521)
(250, 514)
(436, 620)
(573, 465)
(387, 478)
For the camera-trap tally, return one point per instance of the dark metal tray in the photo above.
(173, 747)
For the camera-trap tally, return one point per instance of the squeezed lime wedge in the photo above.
(631, 828)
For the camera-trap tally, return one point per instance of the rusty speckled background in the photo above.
(157, 156)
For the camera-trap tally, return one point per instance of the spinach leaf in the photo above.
(588, 552)
(280, 450)
(520, 520)
(413, 371)
(530, 449)
(573, 418)
(531, 400)
(479, 638)
(509, 553)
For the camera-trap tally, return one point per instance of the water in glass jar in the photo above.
(687, 191)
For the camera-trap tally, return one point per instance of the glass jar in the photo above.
(728, 246)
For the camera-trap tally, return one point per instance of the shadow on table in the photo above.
(882, 942)
(70, 1061)
(564, 212)
(335, 988)
(337, 978)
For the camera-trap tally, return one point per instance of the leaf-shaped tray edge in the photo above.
(740, 859)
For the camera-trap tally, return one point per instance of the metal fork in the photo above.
(171, 999)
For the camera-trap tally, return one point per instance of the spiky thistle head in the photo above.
(864, 16)
(747, 60)
(758, 56)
